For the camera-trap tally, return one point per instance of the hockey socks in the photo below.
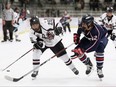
(69, 63)
(87, 62)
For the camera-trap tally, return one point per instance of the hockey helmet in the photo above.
(87, 19)
(34, 20)
(109, 9)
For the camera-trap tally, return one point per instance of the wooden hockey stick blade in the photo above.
(13, 79)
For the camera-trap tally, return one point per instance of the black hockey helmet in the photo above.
(87, 19)
(109, 9)
(34, 20)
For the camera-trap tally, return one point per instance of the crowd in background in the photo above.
(93, 5)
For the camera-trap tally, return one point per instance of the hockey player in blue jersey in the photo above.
(94, 40)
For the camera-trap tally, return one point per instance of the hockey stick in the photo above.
(17, 59)
(17, 79)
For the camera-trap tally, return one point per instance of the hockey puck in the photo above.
(8, 70)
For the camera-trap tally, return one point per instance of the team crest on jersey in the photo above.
(95, 37)
(50, 35)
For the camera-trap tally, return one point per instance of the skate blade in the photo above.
(33, 78)
(100, 79)
(91, 72)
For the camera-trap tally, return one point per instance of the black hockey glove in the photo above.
(112, 37)
(58, 30)
(15, 29)
(39, 45)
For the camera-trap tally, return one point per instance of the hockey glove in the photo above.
(39, 45)
(15, 29)
(78, 52)
(76, 38)
(112, 37)
(50, 34)
(58, 30)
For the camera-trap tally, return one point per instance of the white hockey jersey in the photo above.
(109, 25)
(17, 19)
(46, 25)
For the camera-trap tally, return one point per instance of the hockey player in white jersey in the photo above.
(44, 35)
(17, 23)
(108, 20)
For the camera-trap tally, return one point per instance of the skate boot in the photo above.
(100, 73)
(74, 56)
(18, 40)
(76, 72)
(11, 40)
(3, 40)
(34, 74)
(89, 66)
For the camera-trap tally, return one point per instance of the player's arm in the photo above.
(36, 41)
(32, 37)
(101, 19)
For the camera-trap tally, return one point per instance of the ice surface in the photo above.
(54, 72)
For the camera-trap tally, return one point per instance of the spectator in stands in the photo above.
(24, 3)
(94, 4)
(40, 4)
(79, 4)
(12, 1)
(91, 4)
(47, 12)
(114, 6)
(63, 1)
(58, 13)
(21, 2)
(53, 12)
(106, 4)
(82, 2)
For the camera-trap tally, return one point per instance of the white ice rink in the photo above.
(54, 72)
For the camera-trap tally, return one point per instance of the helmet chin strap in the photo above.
(89, 27)
(109, 17)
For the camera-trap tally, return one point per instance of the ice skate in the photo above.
(18, 40)
(89, 66)
(34, 75)
(100, 74)
(89, 69)
(76, 72)
(11, 40)
(3, 40)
